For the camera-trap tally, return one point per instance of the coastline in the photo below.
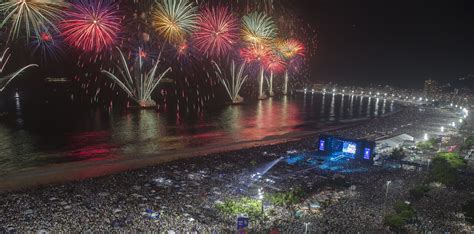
(77, 171)
(56, 174)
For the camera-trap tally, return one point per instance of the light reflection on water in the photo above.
(52, 137)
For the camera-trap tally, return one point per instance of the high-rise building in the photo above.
(431, 88)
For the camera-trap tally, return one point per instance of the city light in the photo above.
(260, 194)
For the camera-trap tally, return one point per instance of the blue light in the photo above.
(321, 145)
(367, 153)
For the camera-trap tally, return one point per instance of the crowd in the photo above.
(181, 196)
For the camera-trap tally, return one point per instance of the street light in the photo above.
(387, 184)
(442, 129)
(425, 137)
(306, 224)
(260, 197)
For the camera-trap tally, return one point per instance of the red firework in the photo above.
(274, 63)
(256, 54)
(217, 31)
(91, 25)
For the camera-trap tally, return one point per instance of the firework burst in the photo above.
(258, 28)
(31, 16)
(47, 46)
(274, 63)
(256, 54)
(290, 48)
(91, 25)
(216, 31)
(173, 19)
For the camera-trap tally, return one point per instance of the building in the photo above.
(431, 88)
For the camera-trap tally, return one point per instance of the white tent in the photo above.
(389, 144)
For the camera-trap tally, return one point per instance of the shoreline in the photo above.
(77, 171)
(57, 174)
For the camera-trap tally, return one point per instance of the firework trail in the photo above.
(5, 80)
(31, 15)
(232, 81)
(273, 64)
(257, 54)
(137, 82)
(291, 50)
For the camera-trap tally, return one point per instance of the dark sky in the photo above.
(399, 42)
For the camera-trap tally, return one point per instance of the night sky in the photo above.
(391, 42)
